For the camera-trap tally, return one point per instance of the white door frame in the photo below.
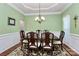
(66, 26)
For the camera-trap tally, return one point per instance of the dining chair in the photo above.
(47, 42)
(46, 31)
(39, 33)
(32, 41)
(59, 41)
(22, 38)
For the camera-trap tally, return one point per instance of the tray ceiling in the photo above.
(33, 8)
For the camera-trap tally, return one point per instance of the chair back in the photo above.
(22, 34)
(46, 31)
(38, 31)
(47, 37)
(32, 37)
(62, 33)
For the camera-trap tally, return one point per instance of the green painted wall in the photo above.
(72, 11)
(5, 12)
(52, 23)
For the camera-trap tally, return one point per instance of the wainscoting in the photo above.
(8, 40)
(73, 42)
(11, 39)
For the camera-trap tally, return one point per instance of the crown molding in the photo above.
(16, 8)
(40, 8)
(47, 13)
(50, 13)
(66, 7)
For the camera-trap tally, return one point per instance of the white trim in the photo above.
(29, 14)
(75, 34)
(71, 47)
(47, 13)
(3, 35)
(40, 8)
(66, 7)
(16, 8)
(50, 13)
(7, 34)
(8, 40)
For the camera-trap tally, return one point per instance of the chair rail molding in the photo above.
(75, 34)
(8, 40)
(71, 47)
(73, 42)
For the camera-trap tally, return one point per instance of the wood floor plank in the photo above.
(70, 51)
(6, 52)
(67, 48)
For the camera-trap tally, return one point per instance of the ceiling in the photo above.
(45, 8)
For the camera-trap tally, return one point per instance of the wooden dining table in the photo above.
(40, 41)
(55, 37)
(39, 37)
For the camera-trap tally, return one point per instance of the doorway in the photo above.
(66, 26)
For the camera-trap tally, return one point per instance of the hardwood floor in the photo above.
(6, 52)
(68, 49)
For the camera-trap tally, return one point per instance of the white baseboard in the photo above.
(71, 47)
(73, 42)
(8, 40)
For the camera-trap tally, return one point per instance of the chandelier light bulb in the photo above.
(43, 18)
(36, 18)
(39, 18)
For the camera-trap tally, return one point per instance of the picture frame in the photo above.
(11, 21)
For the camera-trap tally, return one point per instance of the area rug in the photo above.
(19, 52)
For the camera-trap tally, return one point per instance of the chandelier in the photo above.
(39, 18)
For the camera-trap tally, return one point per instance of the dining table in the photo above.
(56, 35)
(40, 41)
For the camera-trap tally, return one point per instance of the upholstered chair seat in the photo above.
(32, 38)
(32, 46)
(25, 41)
(47, 47)
(47, 42)
(57, 42)
(50, 44)
(22, 38)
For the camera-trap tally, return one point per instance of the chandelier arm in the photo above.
(40, 18)
(39, 12)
